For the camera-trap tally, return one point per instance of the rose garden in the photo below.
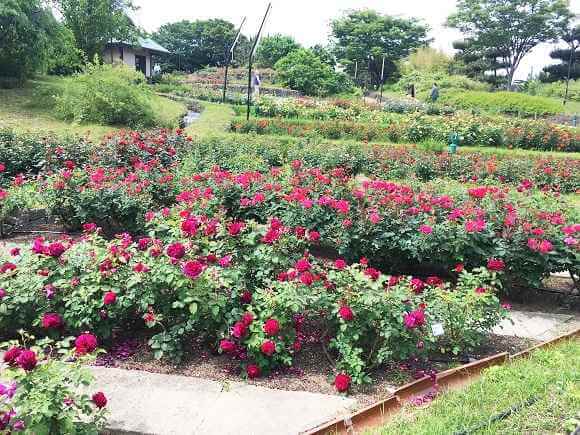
(327, 244)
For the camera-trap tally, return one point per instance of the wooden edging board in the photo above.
(378, 413)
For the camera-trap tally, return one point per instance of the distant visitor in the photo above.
(434, 93)
(256, 82)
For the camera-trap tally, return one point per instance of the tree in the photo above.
(364, 33)
(273, 48)
(197, 44)
(303, 71)
(325, 54)
(94, 23)
(568, 58)
(512, 27)
(479, 63)
(23, 37)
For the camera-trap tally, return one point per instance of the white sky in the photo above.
(308, 20)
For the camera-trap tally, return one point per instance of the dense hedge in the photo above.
(473, 130)
(511, 103)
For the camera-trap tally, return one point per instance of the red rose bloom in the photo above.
(239, 329)
(247, 318)
(99, 400)
(414, 319)
(26, 360)
(85, 343)
(235, 228)
(459, 267)
(314, 236)
(342, 382)
(271, 327)
(417, 285)
(110, 298)
(372, 273)
(346, 313)
(227, 346)
(340, 264)
(268, 347)
(306, 278)
(495, 264)
(55, 249)
(253, 371)
(51, 321)
(246, 297)
(176, 250)
(11, 355)
(302, 265)
(192, 269)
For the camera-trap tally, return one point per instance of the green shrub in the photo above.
(553, 90)
(424, 80)
(303, 71)
(107, 94)
(511, 103)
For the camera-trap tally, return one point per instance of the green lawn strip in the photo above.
(550, 377)
(215, 118)
(29, 109)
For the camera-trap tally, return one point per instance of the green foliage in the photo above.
(427, 59)
(197, 44)
(511, 103)
(107, 94)
(360, 34)
(303, 71)
(554, 89)
(24, 39)
(94, 23)
(63, 57)
(423, 81)
(513, 28)
(273, 48)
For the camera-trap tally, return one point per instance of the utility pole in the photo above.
(382, 80)
(251, 60)
(230, 57)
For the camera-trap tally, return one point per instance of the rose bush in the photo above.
(42, 390)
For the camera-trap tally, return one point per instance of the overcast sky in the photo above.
(308, 20)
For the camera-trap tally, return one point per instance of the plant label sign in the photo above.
(437, 329)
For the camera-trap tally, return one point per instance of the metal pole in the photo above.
(572, 53)
(355, 70)
(229, 57)
(250, 63)
(382, 80)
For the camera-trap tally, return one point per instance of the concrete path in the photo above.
(537, 325)
(148, 403)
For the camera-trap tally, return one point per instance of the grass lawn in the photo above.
(26, 109)
(551, 378)
(215, 118)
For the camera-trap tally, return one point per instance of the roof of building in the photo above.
(146, 43)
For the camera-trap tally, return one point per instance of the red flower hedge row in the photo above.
(248, 288)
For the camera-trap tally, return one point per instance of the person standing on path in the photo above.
(434, 93)
(256, 82)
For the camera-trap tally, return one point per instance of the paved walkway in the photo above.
(537, 325)
(148, 403)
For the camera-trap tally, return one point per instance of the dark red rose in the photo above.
(55, 249)
(342, 382)
(340, 264)
(176, 250)
(247, 318)
(268, 347)
(99, 400)
(495, 264)
(11, 355)
(51, 321)
(271, 327)
(302, 265)
(85, 343)
(246, 297)
(192, 269)
(239, 329)
(346, 313)
(110, 298)
(227, 346)
(26, 360)
(253, 371)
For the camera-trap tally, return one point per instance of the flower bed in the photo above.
(473, 130)
(247, 289)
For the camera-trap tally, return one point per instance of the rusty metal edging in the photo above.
(378, 413)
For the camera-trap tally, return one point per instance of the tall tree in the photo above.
(94, 23)
(568, 57)
(366, 36)
(479, 63)
(23, 37)
(512, 27)
(273, 48)
(197, 44)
